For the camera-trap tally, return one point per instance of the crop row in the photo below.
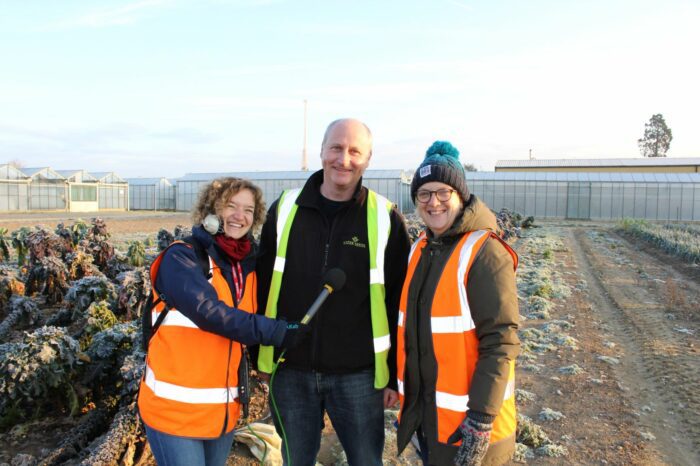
(680, 240)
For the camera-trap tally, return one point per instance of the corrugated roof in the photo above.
(147, 181)
(285, 175)
(595, 177)
(108, 177)
(71, 173)
(631, 162)
(10, 172)
(45, 172)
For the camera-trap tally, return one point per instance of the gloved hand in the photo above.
(295, 334)
(475, 432)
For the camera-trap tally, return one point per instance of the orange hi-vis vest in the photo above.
(190, 384)
(455, 342)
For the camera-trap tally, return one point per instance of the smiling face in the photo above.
(438, 215)
(237, 214)
(345, 155)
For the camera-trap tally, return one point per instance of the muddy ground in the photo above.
(635, 315)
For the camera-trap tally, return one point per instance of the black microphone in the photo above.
(334, 280)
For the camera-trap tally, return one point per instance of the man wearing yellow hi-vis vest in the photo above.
(347, 367)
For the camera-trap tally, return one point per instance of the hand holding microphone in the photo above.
(334, 280)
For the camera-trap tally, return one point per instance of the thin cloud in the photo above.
(115, 16)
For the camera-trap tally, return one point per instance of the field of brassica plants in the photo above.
(678, 239)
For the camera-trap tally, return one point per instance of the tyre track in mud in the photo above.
(660, 366)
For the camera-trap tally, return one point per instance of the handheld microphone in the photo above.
(334, 280)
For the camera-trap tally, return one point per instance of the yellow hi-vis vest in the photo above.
(378, 229)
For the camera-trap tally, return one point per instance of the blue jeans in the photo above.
(355, 407)
(170, 450)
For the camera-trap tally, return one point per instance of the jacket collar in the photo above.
(207, 241)
(310, 195)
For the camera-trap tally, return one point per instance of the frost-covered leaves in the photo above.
(133, 291)
(414, 225)
(79, 230)
(19, 242)
(80, 264)
(136, 253)
(531, 436)
(87, 290)
(9, 286)
(45, 243)
(680, 240)
(114, 343)
(38, 369)
(23, 311)
(99, 318)
(96, 243)
(181, 232)
(118, 445)
(5, 242)
(107, 354)
(164, 238)
(132, 370)
(48, 276)
(510, 223)
(91, 424)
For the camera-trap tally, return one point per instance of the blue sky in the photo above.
(165, 87)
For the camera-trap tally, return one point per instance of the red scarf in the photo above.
(236, 249)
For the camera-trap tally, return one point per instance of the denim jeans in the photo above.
(354, 406)
(170, 450)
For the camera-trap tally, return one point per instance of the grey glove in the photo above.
(475, 432)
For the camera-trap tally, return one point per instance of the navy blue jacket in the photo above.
(181, 280)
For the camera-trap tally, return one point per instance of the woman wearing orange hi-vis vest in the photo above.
(204, 292)
(458, 318)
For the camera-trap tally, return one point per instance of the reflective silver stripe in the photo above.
(510, 390)
(383, 228)
(382, 343)
(285, 208)
(415, 245)
(452, 324)
(279, 264)
(452, 402)
(211, 267)
(402, 315)
(399, 384)
(173, 318)
(174, 392)
(464, 255)
(376, 276)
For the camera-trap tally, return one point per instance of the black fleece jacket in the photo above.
(341, 339)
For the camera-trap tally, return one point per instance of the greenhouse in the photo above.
(393, 184)
(48, 189)
(593, 195)
(14, 189)
(113, 191)
(151, 194)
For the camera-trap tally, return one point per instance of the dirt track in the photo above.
(635, 318)
(651, 311)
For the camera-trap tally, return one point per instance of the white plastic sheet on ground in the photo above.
(264, 437)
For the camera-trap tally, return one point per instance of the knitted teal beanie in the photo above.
(441, 163)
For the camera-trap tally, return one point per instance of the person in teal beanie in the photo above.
(458, 318)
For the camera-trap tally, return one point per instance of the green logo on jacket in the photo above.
(354, 241)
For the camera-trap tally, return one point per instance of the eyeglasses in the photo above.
(443, 195)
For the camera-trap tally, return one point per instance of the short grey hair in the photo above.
(341, 120)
